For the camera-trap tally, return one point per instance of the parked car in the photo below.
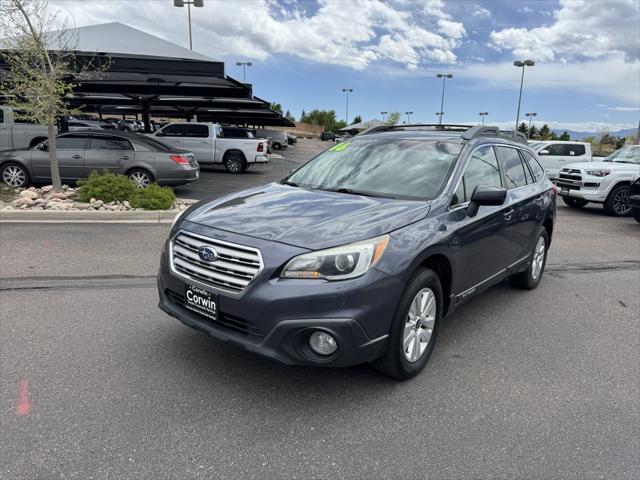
(278, 139)
(76, 125)
(358, 255)
(210, 146)
(634, 199)
(17, 134)
(554, 155)
(128, 126)
(291, 138)
(143, 159)
(324, 136)
(606, 182)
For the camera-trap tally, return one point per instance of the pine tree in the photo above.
(523, 128)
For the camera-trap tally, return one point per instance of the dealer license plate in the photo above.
(201, 301)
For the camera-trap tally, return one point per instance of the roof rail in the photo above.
(481, 131)
(446, 127)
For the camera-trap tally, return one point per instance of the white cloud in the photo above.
(351, 33)
(481, 12)
(525, 9)
(581, 29)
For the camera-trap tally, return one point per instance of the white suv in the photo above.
(605, 182)
(554, 155)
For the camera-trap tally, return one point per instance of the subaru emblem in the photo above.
(207, 254)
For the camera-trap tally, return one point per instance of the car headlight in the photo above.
(601, 172)
(338, 263)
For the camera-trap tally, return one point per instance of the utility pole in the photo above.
(347, 91)
(444, 77)
(188, 3)
(521, 64)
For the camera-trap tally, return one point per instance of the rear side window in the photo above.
(513, 168)
(575, 150)
(536, 170)
(109, 143)
(201, 131)
(71, 142)
(482, 170)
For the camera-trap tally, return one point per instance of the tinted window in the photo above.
(575, 150)
(565, 149)
(201, 131)
(109, 143)
(71, 142)
(513, 168)
(174, 130)
(1, 116)
(398, 168)
(536, 170)
(235, 133)
(482, 170)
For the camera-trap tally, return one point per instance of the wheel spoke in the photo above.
(428, 322)
(416, 348)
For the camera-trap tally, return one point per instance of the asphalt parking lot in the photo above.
(96, 382)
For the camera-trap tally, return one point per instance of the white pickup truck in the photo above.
(207, 142)
(18, 135)
(554, 155)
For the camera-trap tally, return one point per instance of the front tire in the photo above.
(414, 328)
(617, 202)
(574, 202)
(15, 175)
(530, 278)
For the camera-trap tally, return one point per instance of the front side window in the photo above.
(398, 168)
(174, 130)
(109, 143)
(482, 170)
(513, 168)
(556, 149)
(71, 142)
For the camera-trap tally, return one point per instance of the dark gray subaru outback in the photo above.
(358, 255)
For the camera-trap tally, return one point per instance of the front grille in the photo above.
(235, 267)
(224, 319)
(571, 177)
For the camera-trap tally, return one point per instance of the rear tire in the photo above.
(409, 332)
(617, 202)
(574, 202)
(235, 162)
(530, 278)
(15, 175)
(141, 177)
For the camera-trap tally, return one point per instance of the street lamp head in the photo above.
(178, 3)
(529, 63)
(525, 63)
(198, 3)
(518, 63)
(348, 90)
(449, 75)
(249, 64)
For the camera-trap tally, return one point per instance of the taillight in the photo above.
(260, 147)
(179, 159)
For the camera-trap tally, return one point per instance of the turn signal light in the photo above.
(179, 159)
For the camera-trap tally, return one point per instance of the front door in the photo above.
(480, 242)
(198, 141)
(70, 153)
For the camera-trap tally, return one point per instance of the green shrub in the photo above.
(154, 197)
(106, 186)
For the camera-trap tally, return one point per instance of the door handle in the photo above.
(508, 214)
(125, 157)
(76, 156)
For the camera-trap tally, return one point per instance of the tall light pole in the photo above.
(483, 114)
(439, 115)
(444, 77)
(408, 114)
(347, 91)
(521, 64)
(530, 115)
(244, 65)
(383, 114)
(188, 3)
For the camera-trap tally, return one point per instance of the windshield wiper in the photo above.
(291, 184)
(351, 191)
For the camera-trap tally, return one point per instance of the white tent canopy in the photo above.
(363, 125)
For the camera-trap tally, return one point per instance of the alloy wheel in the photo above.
(621, 202)
(419, 324)
(234, 164)
(14, 176)
(538, 258)
(141, 179)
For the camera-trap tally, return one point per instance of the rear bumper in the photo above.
(260, 159)
(180, 177)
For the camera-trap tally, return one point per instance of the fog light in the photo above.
(322, 343)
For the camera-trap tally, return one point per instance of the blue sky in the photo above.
(587, 69)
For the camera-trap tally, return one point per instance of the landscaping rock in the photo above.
(32, 194)
(46, 188)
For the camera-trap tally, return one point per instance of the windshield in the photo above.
(409, 169)
(629, 154)
(535, 145)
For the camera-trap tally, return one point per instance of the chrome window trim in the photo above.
(222, 242)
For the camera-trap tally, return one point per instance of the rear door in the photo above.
(525, 201)
(106, 152)
(480, 242)
(197, 139)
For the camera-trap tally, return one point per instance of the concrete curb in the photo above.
(85, 216)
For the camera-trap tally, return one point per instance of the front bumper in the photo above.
(584, 187)
(274, 317)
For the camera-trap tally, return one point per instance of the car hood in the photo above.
(607, 165)
(305, 218)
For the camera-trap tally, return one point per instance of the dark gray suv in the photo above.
(358, 255)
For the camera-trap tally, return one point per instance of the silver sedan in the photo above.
(144, 160)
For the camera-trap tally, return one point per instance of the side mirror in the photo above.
(489, 196)
(543, 152)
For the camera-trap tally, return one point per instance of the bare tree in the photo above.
(602, 133)
(39, 50)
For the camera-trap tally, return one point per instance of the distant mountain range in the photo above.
(580, 135)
